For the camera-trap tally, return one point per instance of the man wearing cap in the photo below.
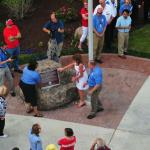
(99, 23)
(12, 35)
(95, 84)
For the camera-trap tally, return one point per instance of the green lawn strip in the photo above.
(140, 40)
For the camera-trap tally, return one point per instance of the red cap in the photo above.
(9, 22)
(85, 2)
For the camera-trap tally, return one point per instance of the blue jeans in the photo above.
(14, 52)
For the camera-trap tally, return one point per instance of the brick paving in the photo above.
(122, 81)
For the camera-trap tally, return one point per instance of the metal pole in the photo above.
(90, 28)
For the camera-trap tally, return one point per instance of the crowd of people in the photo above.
(67, 142)
(108, 15)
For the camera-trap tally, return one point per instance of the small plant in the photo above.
(66, 14)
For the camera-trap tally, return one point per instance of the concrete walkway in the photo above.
(18, 126)
(133, 132)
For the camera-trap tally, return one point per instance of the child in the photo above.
(99, 144)
(80, 78)
(51, 147)
(3, 94)
(68, 142)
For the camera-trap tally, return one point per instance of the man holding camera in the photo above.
(5, 71)
(55, 28)
(12, 35)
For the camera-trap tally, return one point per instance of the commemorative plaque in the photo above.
(49, 78)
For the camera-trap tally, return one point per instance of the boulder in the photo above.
(57, 96)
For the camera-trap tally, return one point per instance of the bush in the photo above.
(1, 27)
(66, 14)
(24, 58)
(18, 8)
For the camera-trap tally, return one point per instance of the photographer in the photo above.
(5, 71)
(55, 28)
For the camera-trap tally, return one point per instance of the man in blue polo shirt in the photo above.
(99, 23)
(55, 28)
(123, 26)
(95, 84)
(127, 5)
(5, 71)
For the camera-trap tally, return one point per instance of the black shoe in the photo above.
(91, 116)
(99, 61)
(13, 94)
(12, 74)
(125, 53)
(18, 70)
(100, 109)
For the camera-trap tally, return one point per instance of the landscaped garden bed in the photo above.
(35, 40)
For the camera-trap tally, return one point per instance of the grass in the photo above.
(139, 42)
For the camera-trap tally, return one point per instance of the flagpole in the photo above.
(90, 29)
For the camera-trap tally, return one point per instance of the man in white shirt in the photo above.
(107, 10)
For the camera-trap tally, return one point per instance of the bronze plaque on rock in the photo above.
(49, 78)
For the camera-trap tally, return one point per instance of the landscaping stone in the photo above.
(56, 96)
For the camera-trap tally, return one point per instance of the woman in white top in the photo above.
(80, 77)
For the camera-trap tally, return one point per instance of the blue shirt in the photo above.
(35, 141)
(53, 27)
(121, 2)
(30, 76)
(99, 23)
(121, 21)
(3, 57)
(95, 77)
(124, 6)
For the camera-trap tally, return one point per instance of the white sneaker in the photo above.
(4, 136)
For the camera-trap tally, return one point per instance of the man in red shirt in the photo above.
(68, 142)
(12, 35)
(84, 15)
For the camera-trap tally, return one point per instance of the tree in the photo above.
(18, 8)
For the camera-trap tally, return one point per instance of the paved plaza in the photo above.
(124, 124)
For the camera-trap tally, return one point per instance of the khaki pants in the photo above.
(5, 72)
(98, 46)
(123, 39)
(54, 50)
(95, 101)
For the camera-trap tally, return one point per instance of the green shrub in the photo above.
(18, 8)
(67, 14)
(1, 27)
(24, 58)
